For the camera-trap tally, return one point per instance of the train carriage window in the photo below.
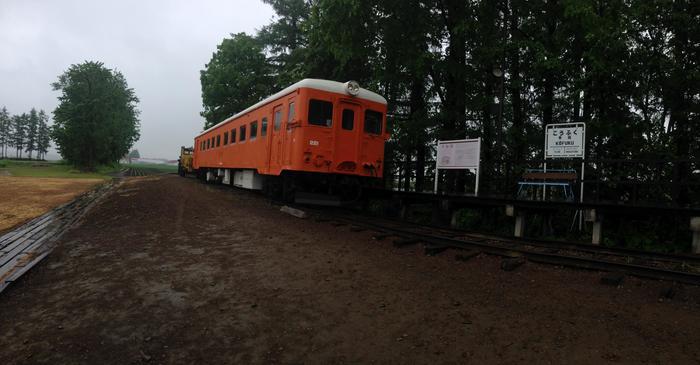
(233, 135)
(292, 114)
(253, 130)
(320, 113)
(348, 122)
(263, 127)
(212, 142)
(278, 120)
(241, 137)
(373, 122)
(225, 138)
(218, 140)
(208, 143)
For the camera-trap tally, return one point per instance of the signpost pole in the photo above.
(583, 174)
(544, 155)
(478, 167)
(437, 171)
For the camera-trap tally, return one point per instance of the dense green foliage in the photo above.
(629, 69)
(25, 133)
(96, 121)
(236, 77)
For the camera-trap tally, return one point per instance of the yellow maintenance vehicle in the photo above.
(184, 163)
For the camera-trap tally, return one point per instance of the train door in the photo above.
(276, 135)
(346, 133)
(290, 127)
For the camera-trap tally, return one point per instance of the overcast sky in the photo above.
(159, 45)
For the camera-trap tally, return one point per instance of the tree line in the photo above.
(500, 70)
(95, 123)
(26, 132)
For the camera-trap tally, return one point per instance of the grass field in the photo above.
(58, 169)
(52, 169)
(31, 188)
(152, 167)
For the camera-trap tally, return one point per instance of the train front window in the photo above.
(348, 121)
(320, 113)
(263, 128)
(373, 122)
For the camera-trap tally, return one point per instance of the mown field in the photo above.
(32, 188)
(51, 169)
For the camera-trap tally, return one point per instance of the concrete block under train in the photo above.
(316, 137)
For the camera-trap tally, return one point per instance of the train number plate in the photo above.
(313, 143)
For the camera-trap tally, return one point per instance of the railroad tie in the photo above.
(510, 264)
(612, 279)
(432, 250)
(403, 242)
(381, 236)
(467, 255)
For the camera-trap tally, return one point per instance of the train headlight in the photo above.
(352, 87)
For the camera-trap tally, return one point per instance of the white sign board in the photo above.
(459, 154)
(565, 140)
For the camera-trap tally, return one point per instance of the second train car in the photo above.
(316, 136)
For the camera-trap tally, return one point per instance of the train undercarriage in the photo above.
(294, 186)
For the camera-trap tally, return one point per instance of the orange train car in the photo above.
(316, 136)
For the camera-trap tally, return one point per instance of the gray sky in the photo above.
(159, 45)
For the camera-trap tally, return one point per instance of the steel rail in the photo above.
(532, 255)
(561, 245)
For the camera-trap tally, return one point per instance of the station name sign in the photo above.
(566, 140)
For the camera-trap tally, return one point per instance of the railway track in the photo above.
(25, 246)
(661, 266)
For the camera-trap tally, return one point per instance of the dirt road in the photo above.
(168, 270)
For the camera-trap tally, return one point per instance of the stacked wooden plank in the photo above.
(25, 246)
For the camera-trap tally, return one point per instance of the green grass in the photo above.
(56, 169)
(152, 167)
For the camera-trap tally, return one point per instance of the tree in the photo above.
(19, 123)
(32, 130)
(236, 77)
(5, 131)
(285, 40)
(96, 121)
(43, 135)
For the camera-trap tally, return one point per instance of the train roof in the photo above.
(318, 84)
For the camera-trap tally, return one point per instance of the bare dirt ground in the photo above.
(168, 270)
(24, 198)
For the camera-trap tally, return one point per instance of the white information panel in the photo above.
(566, 140)
(461, 154)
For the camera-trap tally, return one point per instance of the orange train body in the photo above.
(314, 126)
